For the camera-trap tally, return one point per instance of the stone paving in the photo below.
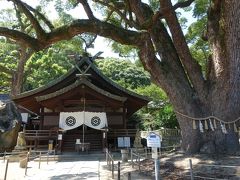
(89, 167)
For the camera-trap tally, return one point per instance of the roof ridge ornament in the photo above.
(84, 57)
(77, 58)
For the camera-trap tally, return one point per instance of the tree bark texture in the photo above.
(18, 75)
(165, 54)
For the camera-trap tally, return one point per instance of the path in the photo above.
(55, 171)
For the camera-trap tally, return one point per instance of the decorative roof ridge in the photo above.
(70, 72)
(50, 84)
(76, 84)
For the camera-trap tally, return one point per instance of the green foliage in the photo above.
(159, 112)
(48, 65)
(124, 73)
(8, 59)
(124, 50)
(196, 34)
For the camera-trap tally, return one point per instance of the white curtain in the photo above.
(96, 120)
(71, 120)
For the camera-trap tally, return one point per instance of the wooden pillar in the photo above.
(124, 117)
(104, 140)
(41, 118)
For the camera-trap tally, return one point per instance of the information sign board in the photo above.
(123, 141)
(153, 140)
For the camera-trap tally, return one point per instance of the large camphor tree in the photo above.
(156, 32)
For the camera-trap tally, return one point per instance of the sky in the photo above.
(101, 44)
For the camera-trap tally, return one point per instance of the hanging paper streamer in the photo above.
(211, 125)
(201, 127)
(206, 125)
(229, 127)
(194, 125)
(235, 127)
(223, 128)
(214, 123)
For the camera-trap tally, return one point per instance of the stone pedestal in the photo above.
(124, 153)
(23, 162)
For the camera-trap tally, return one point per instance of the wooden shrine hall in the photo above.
(82, 106)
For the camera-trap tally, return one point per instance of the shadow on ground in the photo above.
(176, 166)
(86, 175)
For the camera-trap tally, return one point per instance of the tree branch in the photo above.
(45, 20)
(116, 8)
(76, 27)
(22, 38)
(159, 14)
(104, 29)
(182, 4)
(192, 68)
(87, 8)
(39, 31)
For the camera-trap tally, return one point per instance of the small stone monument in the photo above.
(137, 141)
(21, 142)
(21, 149)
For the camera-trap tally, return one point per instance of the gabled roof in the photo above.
(99, 83)
(76, 84)
(72, 71)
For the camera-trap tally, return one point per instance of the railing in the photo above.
(27, 157)
(164, 132)
(137, 156)
(192, 172)
(40, 134)
(122, 132)
(110, 162)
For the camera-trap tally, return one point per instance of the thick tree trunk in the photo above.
(209, 141)
(18, 75)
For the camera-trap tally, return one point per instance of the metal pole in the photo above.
(107, 156)
(39, 165)
(132, 157)
(118, 170)
(47, 157)
(146, 153)
(112, 169)
(6, 169)
(27, 163)
(4, 156)
(191, 169)
(139, 168)
(129, 175)
(157, 169)
(83, 121)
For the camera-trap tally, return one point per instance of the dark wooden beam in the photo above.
(79, 102)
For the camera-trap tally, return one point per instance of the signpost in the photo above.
(154, 141)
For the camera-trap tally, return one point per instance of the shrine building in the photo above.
(82, 106)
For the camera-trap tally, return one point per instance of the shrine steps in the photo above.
(92, 137)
